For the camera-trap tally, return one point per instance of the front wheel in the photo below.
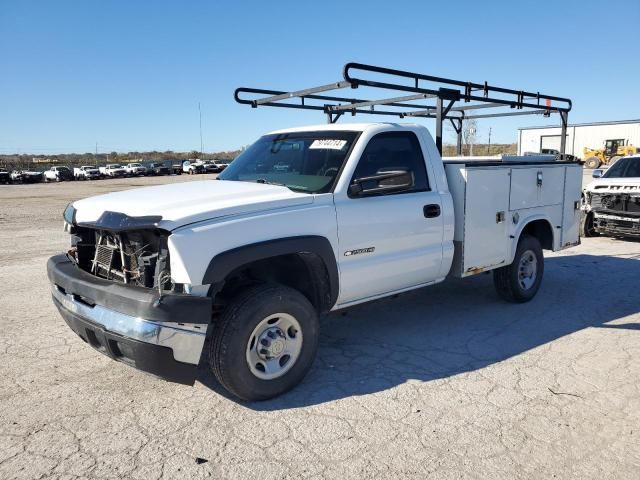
(592, 162)
(264, 342)
(520, 281)
(587, 228)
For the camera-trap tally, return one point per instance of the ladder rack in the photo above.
(412, 97)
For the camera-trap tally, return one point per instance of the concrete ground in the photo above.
(444, 382)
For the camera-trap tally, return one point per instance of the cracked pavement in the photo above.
(443, 382)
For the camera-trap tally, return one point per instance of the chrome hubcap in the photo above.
(274, 346)
(527, 270)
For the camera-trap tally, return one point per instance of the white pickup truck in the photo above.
(362, 211)
(86, 172)
(133, 169)
(113, 170)
(611, 203)
(58, 174)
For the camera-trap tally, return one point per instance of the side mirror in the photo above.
(597, 173)
(382, 182)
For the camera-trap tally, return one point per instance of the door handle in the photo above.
(431, 211)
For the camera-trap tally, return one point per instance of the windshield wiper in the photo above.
(268, 182)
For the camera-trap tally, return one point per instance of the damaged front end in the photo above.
(614, 212)
(114, 289)
(136, 257)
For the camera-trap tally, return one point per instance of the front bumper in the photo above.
(616, 225)
(127, 324)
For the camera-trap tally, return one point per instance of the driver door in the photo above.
(391, 241)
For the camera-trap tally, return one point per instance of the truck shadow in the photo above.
(458, 326)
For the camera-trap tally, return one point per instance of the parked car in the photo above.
(5, 176)
(113, 170)
(26, 176)
(157, 168)
(86, 172)
(611, 202)
(174, 166)
(221, 165)
(58, 174)
(210, 167)
(264, 248)
(192, 167)
(135, 169)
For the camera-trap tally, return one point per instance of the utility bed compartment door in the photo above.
(486, 207)
(533, 186)
(571, 213)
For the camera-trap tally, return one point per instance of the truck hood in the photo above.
(182, 203)
(614, 185)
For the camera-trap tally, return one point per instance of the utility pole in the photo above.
(201, 144)
(489, 145)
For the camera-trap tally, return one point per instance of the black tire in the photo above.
(232, 332)
(592, 162)
(586, 226)
(507, 279)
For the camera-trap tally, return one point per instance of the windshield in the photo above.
(627, 167)
(302, 161)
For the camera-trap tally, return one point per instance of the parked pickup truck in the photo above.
(58, 174)
(86, 172)
(113, 170)
(363, 211)
(611, 203)
(133, 169)
(193, 166)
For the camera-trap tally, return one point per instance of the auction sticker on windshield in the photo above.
(328, 144)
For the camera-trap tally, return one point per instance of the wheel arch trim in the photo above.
(526, 222)
(224, 263)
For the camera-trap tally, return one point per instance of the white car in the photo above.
(363, 211)
(133, 169)
(611, 202)
(113, 170)
(86, 172)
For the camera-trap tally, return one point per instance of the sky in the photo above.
(128, 76)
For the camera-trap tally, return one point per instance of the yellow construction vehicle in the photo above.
(612, 151)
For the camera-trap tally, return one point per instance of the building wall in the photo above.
(578, 137)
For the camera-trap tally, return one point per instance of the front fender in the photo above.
(226, 262)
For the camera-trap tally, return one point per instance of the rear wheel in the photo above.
(520, 281)
(264, 342)
(614, 159)
(592, 162)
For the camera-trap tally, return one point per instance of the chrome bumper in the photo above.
(185, 342)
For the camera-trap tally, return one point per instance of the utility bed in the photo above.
(491, 196)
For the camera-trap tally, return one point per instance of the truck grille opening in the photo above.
(138, 257)
(617, 202)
